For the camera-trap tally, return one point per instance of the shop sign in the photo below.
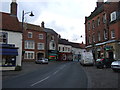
(108, 47)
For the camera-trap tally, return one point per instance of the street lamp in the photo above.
(23, 14)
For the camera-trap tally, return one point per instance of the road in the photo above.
(60, 75)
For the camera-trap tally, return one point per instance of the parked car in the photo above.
(87, 58)
(42, 61)
(104, 62)
(115, 65)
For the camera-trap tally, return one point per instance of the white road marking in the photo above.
(48, 76)
(40, 81)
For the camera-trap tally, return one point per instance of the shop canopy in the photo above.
(8, 51)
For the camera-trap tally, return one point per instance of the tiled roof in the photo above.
(64, 42)
(48, 30)
(32, 27)
(77, 45)
(9, 22)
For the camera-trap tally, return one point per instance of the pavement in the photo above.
(102, 78)
(98, 78)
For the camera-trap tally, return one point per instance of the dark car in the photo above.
(104, 62)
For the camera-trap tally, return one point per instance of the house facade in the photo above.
(65, 50)
(77, 50)
(51, 43)
(102, 30)
(10, 40)
(34, 42)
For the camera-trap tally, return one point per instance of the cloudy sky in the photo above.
(66, 17)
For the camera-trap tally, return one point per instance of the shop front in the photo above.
(8, 53)
(65, 56)
(52, 55)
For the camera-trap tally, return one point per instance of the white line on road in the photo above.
(40, 81)
(48, 76)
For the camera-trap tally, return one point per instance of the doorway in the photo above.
(40, 55)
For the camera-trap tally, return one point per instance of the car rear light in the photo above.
(101, 59)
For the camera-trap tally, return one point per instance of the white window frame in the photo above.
(31, 53)
(104, 18)
(98, 21)
(40, 36)
(105, 34)
(29, 45)
(112, 34)
(113, 16)
(99, 38)
(31, 34)
(41, 46)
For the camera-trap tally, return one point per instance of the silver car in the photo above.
(42, 61)
(115, 65)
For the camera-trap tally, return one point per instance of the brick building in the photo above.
(102, 30)
(51, 43)
(34, 41)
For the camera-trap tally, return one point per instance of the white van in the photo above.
(87, 58)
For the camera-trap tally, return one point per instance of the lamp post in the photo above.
(23, 15)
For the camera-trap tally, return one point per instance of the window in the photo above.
(113, 16)
(29, 44)
(29, 34)
(88, 26)
(59, 48)
(93, 24)
(52, 45)
(40, 36)
(105, 34)
(113, 34)
(29, 55)
(89, 40)
(98, 21)
(93, 38)
(3, 37)
(99, 36)
(104, 18)
(40, 46)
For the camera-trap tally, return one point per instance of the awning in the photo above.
(9, 51)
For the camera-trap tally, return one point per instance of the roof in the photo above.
(64, 41)
(96, 12)
(32, 27)
(77, 45)
(48, 30)
(10, 22)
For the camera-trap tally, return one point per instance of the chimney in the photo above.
(42, 24)
(100, 2)
(13, 8)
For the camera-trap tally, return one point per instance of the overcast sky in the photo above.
(66, 17)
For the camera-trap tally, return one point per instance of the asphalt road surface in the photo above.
(62, 75)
